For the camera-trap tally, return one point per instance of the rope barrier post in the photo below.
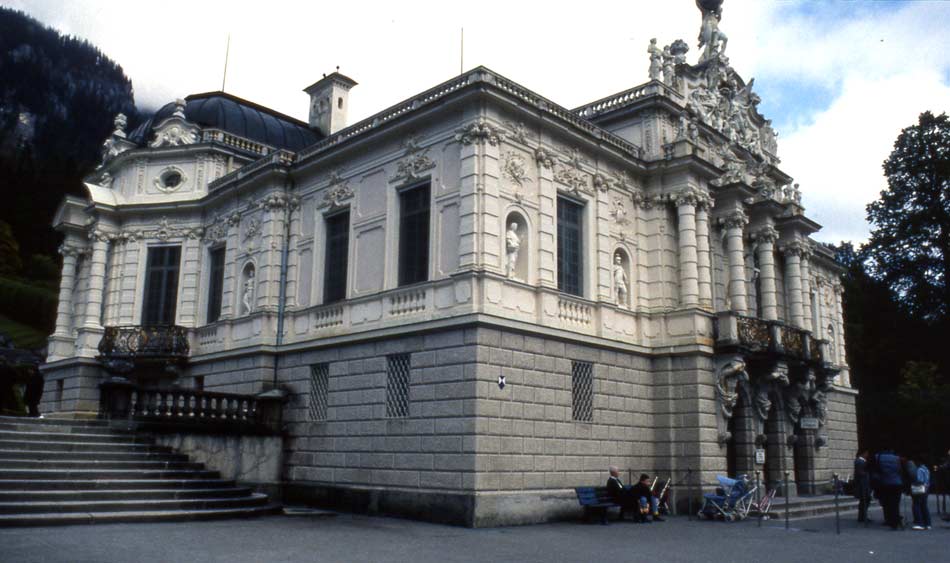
(837, 511)
(689, 492)
(785, 492)
(758, 494)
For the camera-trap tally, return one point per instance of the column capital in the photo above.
(98, 235)
(735, 220)
(766, 234)
(71, 251)
(691, 196)
(794, 248)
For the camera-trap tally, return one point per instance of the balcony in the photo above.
(757, 337)
(125, 347)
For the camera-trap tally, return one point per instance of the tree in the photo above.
(909, 248)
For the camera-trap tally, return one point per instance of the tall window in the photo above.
(216, 284)
(569, 236)
(161, 285)
(582, 391)
(334, 271)
(414, 235)
(397, 386)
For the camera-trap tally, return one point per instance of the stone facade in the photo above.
(699, 322)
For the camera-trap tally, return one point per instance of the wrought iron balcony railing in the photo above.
(144, 343)
(760, 336)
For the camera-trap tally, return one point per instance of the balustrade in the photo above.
(572, 311)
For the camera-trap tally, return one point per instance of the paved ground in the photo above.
(361, 538)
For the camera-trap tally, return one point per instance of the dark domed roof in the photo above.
(246, 119)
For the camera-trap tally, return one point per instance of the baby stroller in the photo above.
(731, 501)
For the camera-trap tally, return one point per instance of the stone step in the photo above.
(57, 519)
(61, 429)
(103, 465)
(804, 507)
(130, 504)
(52, 455)
(54, 421)
(94, 483)
(122, 494)
(7, 444)
(69, 474)
(105, 438)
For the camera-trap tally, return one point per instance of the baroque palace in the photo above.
(470, 302)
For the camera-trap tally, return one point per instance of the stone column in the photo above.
(704, 260)
(839, 323)
(689, 267)
(64, 311)
(793, 282)
(806, 288)
(97, 274)
(735, 250)
(293, 254)
(765, 248)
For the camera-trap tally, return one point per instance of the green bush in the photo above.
(31, 305)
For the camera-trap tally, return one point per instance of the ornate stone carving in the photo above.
(519, 131)
(415, 162)
(174, 135)
(572, 175)
(278, 201)
(217, 230)
(687, 129)
(116, 143)
(678, 49)
(544, 157)
(766, 234)
(620, 281)
(619, 211)
(691, 196)
(515, 168)
(480, 131)
(336, 193)
(71, 250)
(166, 230)
(735, 220)
(252, 230)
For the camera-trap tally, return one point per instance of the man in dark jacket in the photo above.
(619, 493)
(862, 485)
(888, 468)
(34, 391)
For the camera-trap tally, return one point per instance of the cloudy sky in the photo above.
(838, 79)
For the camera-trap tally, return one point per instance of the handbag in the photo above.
(918, 489)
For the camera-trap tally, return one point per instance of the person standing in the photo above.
(862, 485)
(918, 493)
(34, 391)
(889, 485)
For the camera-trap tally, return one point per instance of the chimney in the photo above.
(328, 102)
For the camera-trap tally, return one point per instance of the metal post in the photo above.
(758, 495)
(689, 492)
(785, 492)
(837, 512)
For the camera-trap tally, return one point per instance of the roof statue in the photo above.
(710, 36)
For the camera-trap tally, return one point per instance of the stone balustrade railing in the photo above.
(231, 140)
(122, 400)
(613, 102)
(277, 158)
(574, 311)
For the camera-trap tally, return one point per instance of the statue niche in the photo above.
(248, 289)
(621, 279)
(516, 241)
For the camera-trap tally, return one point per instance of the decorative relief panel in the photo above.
(415, 162)
(337, 193)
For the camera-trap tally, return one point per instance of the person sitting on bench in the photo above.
(646, 502)
(620, 494)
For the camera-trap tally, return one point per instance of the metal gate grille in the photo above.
(582, 390)
(397, 386)
(319, 391)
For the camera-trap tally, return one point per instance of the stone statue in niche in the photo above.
(656, 60)
(247, 298)
(620, 281)
(512, 245)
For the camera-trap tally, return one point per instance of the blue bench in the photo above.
(596, 500)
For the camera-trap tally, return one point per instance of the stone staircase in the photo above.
(63, 471)
(809, 507)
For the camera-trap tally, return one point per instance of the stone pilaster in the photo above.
(293, 256)
(793, 252)
(735, 250)
(765, 249)
(704, 260)
(97, 274)
(231, 267)
(547, 207)
(64, 311)
(844, 376)
(689, 263)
